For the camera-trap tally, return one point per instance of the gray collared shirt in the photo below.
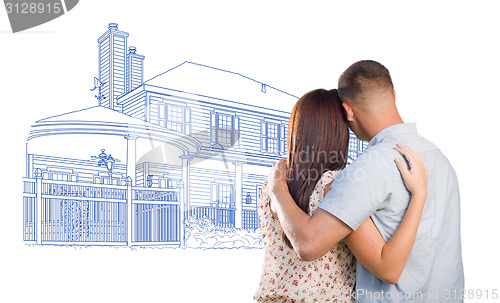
(373, 187)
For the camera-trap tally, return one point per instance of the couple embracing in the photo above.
(386, 228)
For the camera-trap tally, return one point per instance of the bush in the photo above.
(203, 233)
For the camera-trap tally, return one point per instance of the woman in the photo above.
(318, 138)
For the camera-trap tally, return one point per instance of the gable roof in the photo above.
(217, 83)
(96, 114)
(99, 120)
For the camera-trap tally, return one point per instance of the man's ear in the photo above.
(394, 95)
(349, 112)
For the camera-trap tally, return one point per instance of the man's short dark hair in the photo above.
(361, 77)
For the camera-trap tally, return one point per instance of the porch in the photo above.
(69, 213)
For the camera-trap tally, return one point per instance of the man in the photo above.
(372, 187)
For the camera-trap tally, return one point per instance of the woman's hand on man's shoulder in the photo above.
(277, 179)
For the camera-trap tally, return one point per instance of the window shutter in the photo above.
(213, 128)
(263, 141)
(282, 139)
(187, 121)
(233, 196)
(236, 131)
(188, 115)
(213, 119)
(162, 111)
(153, 111)
(213, 192)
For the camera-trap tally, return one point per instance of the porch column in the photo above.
(182, 212)
(131, 157)
(29, 166)
(184, 198)
(238, 188)
(186, 160)
(145, 174)
(38, 207)
(130, 211)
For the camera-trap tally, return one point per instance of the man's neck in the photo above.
(383, 122)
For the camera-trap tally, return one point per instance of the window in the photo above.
(174, 117)
(224, 130)
(222, 195)
(272, 137)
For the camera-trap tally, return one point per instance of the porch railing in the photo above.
(157, 215)
(68, 212)
(220, 216)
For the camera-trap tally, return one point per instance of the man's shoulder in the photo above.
(374, 164)
(432, 154)
(379, 154)
(414, 141)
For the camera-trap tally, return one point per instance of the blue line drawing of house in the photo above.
(155, 158)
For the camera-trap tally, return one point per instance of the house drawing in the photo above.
(195, 142)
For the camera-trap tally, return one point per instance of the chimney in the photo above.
(112, 65)
(134, 69)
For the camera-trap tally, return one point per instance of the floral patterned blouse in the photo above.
(287, 278)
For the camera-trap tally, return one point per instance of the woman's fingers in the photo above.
(277, 173)
(415, 177)
(411, 156)
(402, 167)
(408, 156)
(406, 151)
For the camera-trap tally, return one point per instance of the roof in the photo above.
(99, 120)
(96, 114)
(217, 83)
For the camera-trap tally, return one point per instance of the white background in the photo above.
(444, 59)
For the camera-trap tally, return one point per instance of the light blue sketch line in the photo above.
(191, 163)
